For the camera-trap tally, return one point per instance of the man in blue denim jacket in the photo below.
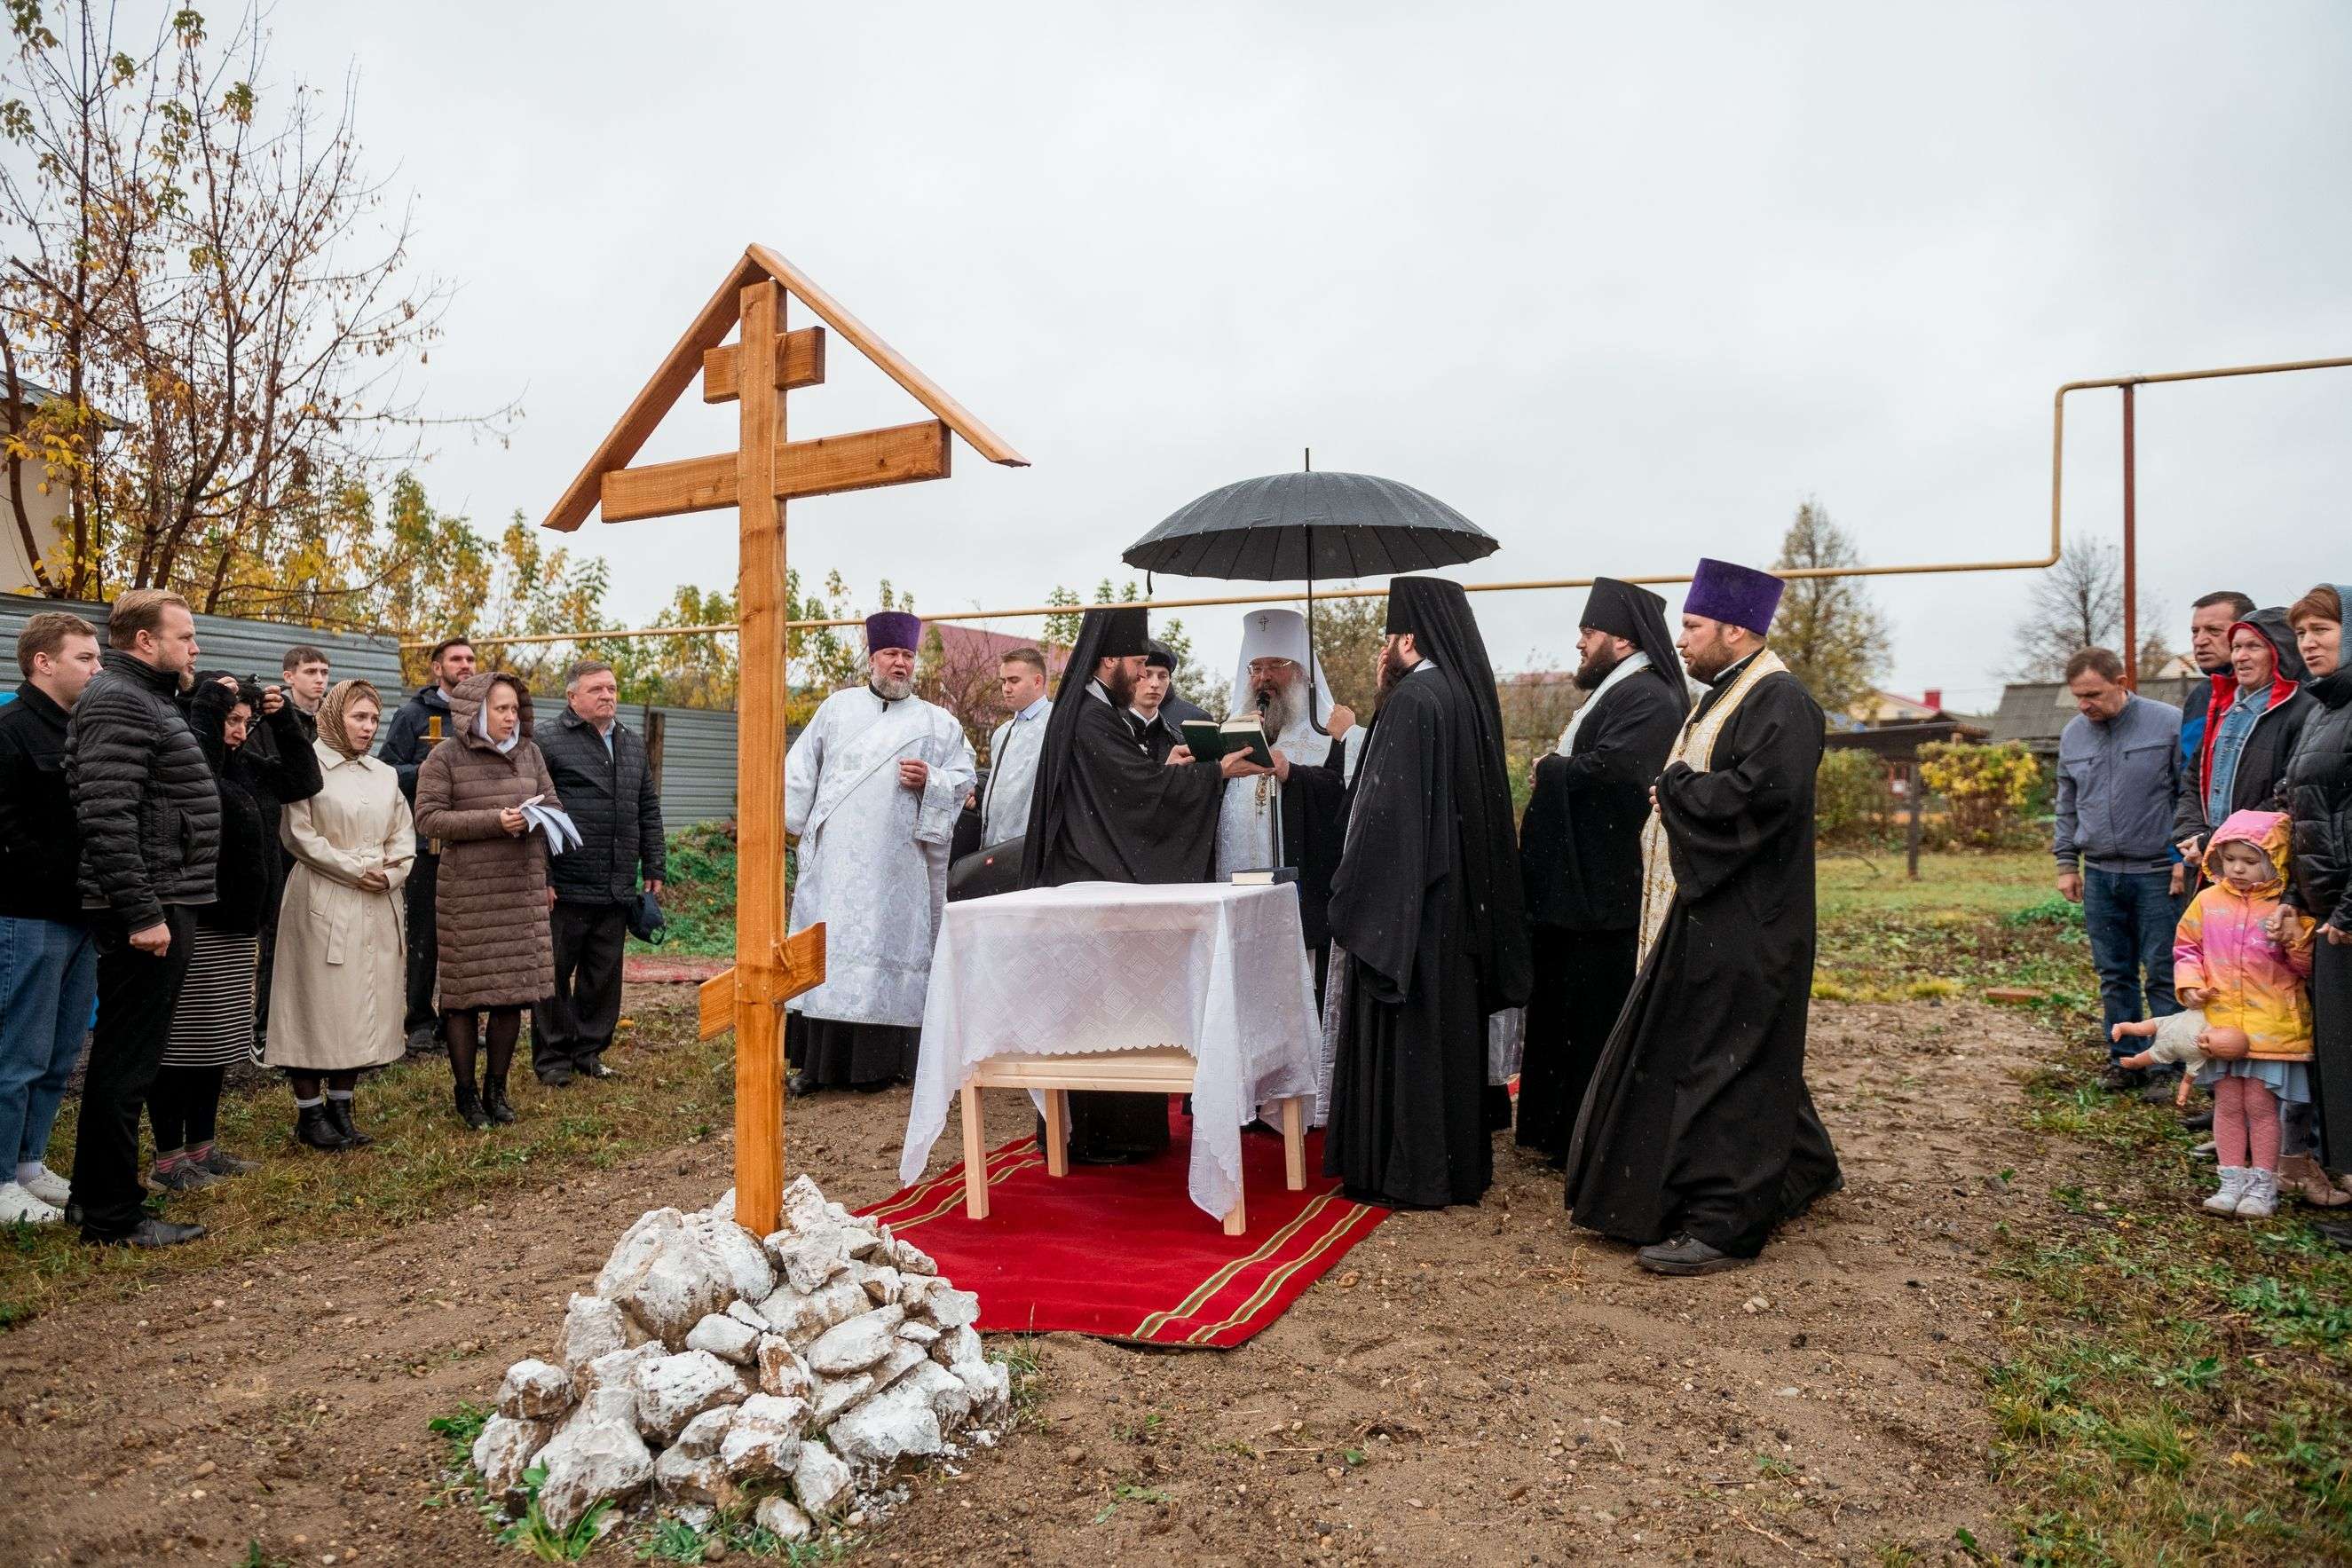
(2119, 773)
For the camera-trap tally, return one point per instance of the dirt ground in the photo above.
(1479, 1385)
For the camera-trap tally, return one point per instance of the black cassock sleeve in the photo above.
(1399, 843)
(1717, 821)
(1131, 818)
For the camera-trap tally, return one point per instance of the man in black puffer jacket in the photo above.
(601, 774)
(149, 818)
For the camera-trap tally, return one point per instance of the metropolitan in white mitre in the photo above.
(872, 787)
(1294, 814)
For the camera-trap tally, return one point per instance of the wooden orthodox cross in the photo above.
(766, 361)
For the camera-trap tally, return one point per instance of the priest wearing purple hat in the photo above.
(872, 787)
(1698, 1135)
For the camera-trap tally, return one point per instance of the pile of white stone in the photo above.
(718, 1371)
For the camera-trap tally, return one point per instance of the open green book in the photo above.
(1244, 732)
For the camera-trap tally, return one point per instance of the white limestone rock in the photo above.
(727, 1337)
(821, 1480)
(663, 1275)
(895, 1424)
(675, 1389)
(944, 1390)
(535, 1390)
(956, 1347)
(803, 1207)
(990, 1384)
(594, 1458)
(910, 1258)
(700, 1438)
(808, 1259)
(745, 1313)
(783, 1521)
(836, 1394)
(684, 1478)
(902, 1358)
(592, 1326)
(738, 1253)
(764, 1439)
(782, 1370)
(725, 1207)
(916, 1331)
(617, 1370)
(505, 1448)
(950, 1308)
(881, 1284)
(856, 1343)
(802, 1318)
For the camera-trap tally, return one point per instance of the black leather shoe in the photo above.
(148, 1232)
(799, 1086)
(2202, 1122)
(493, 1102)
(2161, 1087)
(2120, 1080)
(339, 1115)
(557, 1077)
(594, 1067)
(425, 1041)
(315, 1128)
(1686, 1255)
(469, 1108)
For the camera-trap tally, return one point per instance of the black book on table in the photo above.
(1210, 740)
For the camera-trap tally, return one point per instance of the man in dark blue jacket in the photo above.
(605, 782)
(423, 722)
(49, 955)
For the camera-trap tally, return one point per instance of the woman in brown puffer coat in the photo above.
(492, 901)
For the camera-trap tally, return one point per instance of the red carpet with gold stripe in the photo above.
(1119, 1250)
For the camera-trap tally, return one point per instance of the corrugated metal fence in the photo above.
(694, 747)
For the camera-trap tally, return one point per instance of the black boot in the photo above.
(494, 1100)
(313, 1126)
(469, 1108)
(339, 1112)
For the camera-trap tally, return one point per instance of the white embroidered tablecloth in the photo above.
(1221, 970)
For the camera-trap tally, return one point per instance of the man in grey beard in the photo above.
(1294, 813)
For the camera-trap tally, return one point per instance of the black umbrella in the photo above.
(1310, 525)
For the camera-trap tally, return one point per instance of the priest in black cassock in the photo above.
(1698, 1135)
(1428, 932)
(1581, 850)
(1107, 809)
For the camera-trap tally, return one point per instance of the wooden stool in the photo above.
(1162, 1070)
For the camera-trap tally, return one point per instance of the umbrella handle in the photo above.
(1314, 721)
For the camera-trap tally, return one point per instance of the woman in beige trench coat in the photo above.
(341, 977)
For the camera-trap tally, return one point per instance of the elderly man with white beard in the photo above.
(872, 787)
(1295, 813)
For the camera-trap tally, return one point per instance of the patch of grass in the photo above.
(536, 1537)
(2174, 1387)
(699, 900)
(424, 1164)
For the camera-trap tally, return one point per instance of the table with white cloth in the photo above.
(1218, 970)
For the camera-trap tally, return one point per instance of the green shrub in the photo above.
(1852, 807)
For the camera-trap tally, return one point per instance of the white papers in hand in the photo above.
(556, 824)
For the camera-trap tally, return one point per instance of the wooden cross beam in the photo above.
(767, 360)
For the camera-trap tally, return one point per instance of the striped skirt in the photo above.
(213, 1026)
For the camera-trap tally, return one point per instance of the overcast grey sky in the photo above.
(1624, 283)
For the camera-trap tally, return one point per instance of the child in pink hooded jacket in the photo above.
(2253, 988)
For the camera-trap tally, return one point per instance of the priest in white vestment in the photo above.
(872, 787)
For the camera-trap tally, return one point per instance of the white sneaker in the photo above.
(2261, 1199)
(47, 1185)
(2235, 1180)
(18, 1207)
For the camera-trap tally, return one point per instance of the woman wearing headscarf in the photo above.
(496, 954)
(2318, 790)
(341, 984)
(212, 1028)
